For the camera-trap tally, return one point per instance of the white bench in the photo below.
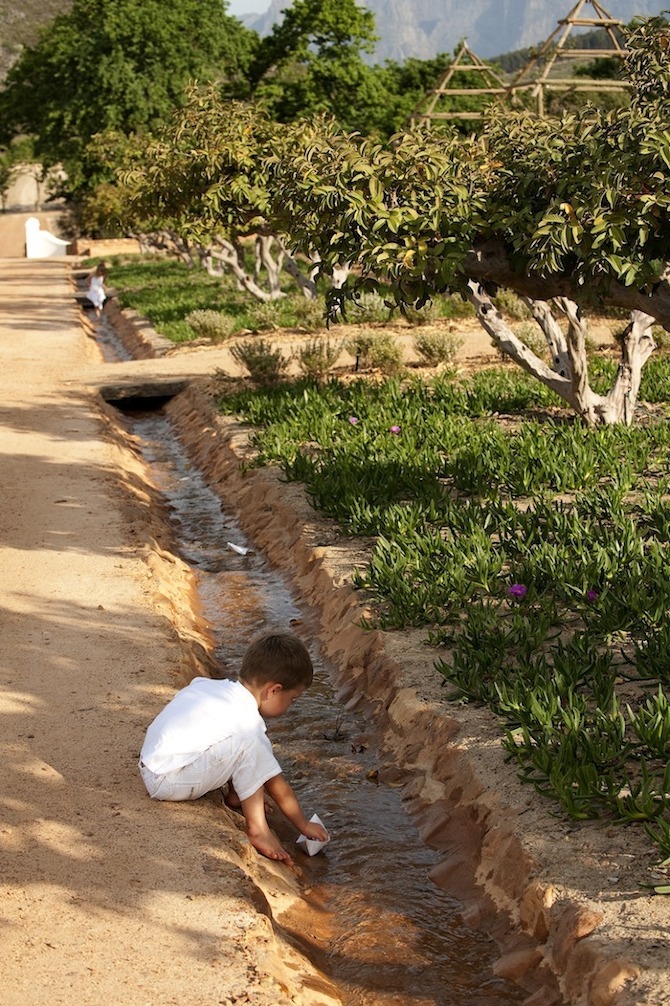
(42, 244)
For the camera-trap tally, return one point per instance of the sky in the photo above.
(238, 7)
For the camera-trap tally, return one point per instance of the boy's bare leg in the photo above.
(230, 797)
(258, 830)
(232, 800)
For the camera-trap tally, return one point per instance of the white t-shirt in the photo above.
(201, 715)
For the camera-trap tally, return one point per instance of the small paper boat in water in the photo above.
(313, 845)
(240, 549)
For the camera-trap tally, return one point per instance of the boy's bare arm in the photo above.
(283, 795)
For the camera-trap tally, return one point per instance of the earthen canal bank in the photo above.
(543, 888)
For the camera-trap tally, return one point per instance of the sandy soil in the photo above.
(110, 898)
(106, 897)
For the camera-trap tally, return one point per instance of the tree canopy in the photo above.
(118, 64)
(572, 210)
(313, 61)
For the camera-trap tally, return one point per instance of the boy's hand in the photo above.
(315, 831)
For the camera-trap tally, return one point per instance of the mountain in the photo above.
(424, 28)
(20, 25)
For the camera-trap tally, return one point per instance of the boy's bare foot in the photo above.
(267, 843)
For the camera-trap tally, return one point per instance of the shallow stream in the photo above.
(373, 922)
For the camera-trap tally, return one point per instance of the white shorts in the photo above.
(212, 769)
(209, 771)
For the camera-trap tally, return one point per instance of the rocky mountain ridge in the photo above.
(20, 25)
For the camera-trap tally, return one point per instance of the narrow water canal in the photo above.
(373, 922)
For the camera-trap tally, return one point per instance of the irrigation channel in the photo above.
(377, 926)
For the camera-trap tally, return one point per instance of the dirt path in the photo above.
(106, 897)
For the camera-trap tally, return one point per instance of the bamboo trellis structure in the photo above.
(555, 49)
(465, 61)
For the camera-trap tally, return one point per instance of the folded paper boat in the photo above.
(312, 845)
(240, 549)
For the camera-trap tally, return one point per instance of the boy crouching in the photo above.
(213, 732)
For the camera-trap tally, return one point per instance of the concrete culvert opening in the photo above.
(136, 403)
(139, 398)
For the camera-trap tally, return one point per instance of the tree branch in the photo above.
(508, 343)
(637, 345)
(226, 254)
(553, 333)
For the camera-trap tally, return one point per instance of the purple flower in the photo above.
(395, 429)
(592, 596)
(518, 590)
(353, 420)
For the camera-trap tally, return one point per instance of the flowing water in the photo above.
(371, 920)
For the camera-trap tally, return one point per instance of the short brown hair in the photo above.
(280, 657)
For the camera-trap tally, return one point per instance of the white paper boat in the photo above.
(313, 845)
(240, 549)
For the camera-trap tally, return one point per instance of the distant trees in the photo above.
(7, 171)
(313, 61)
(117, 64)
(570, 213)
(123, 65)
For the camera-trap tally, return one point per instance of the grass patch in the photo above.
(533, 552)
(167, 292)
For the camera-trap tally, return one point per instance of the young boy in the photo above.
(213, 733)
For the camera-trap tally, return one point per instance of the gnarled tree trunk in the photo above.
(222, 255)
(165, 241)
(306, 283)
(569, 376)
(264, 259)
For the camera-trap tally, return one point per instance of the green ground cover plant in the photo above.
(166, 291)
(532, 551)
